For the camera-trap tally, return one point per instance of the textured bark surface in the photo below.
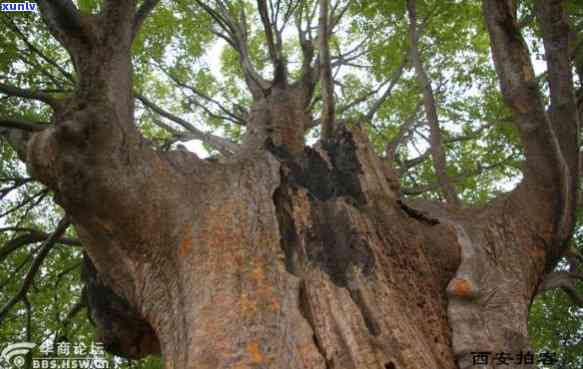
(314, 262)
(308, 262)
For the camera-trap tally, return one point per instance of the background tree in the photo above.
(334, 241)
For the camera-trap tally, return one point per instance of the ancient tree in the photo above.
(275, 254)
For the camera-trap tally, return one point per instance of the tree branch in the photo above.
(395, 77)
(36, 50)
(563, 112)
(143, 12)
(62, 19)
(36, 264)
(268, 30)
(520, 91)
(29, 94)
(565, 281)
(223, 145)
(405, 127)
(236, 36)
(23, 125)
(32, 237)
(326, 83)
(437, 151)
(228, 114)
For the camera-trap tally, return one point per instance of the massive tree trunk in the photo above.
(314, 262)
(288, 256)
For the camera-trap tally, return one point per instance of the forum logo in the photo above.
(14, 354)
(18, 7)
(61, 355)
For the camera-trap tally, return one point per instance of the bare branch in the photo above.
(326, 82)
(395, 77)
(34, 199)
(268, 30)
(437, 151)
(337, 16)
(228, 114)
(435, 186)
(404, 128)
(235, 33)
(223, 145)
(6, 20)
(15, 186)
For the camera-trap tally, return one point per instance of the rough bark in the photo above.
(293, 257)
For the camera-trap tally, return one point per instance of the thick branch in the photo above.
(32, 237)
(563, 110)
(62, 19)
(274, 53)
(546, 173)
(309, 77)
(565, 281)
(28, 94)
(520, 92)
(23, 125)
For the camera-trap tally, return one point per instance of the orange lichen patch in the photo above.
(255, 353)
(185, 246)
(527, 72)
(537, 252)
(248, 305)
(275, 305)
(461, 288)
(258, 274)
